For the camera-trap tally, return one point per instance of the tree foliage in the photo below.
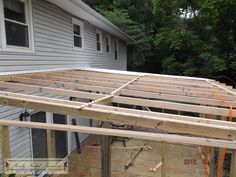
(181, 37)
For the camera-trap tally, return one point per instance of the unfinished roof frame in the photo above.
(108, 89)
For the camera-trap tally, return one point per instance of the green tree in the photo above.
(181, 37)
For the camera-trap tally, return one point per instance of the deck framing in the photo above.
(119, 97)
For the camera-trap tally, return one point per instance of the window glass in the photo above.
(16, 34)
(98, 41)
(77, 41)
(107, 44)
(116, 50)
(76, 29)
(77, 36)
(14, 10)
(39, 137)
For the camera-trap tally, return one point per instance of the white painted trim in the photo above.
(29, 24)
(2, 27)
(81, 24)
(101, 41)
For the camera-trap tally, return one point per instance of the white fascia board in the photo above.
(79, 9)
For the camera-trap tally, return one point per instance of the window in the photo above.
(108, 41)
(39, 136)
(116, 50)
(16, 28)
(99, 40)
(78, 32)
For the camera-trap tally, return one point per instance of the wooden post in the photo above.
(233, 164)
(5, 144)
(220, 153)
(51, 143)
(105, 156)
(163, 167)
(212, 162)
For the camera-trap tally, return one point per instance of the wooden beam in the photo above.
(62, 84)
(5, 142)
(177, 106)
(127, 76)
(220, 161)
(124, 133)
(212, 162)
(70, 108)
(131, 89)
(116, 99)
(223, 88)
(116, 83)
(105, 156)
(108, 97)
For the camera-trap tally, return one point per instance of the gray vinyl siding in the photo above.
(53, 40)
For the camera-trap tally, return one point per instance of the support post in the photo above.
(105, 156)
(212, 162)
(5, 144)
(220, 153)
(233, 164)
(163, 167)
(51, 144)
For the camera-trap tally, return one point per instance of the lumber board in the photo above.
(223, 88)
(115, 82)
(116, 99)
(5, 142)
(70, 108)
(154, 79)
(87, 95)
(177, 139)
(131, 90)
(171, 88)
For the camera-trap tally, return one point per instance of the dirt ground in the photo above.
(182, 161)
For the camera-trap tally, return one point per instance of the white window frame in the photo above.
(100, 37)
(116, 48)
(81, 24)
(29, 23)
(109, 43)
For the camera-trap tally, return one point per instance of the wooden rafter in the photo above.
(188, 95)
(100, 112)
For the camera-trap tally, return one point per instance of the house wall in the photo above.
(53, 42)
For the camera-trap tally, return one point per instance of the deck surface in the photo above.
(88, 163)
